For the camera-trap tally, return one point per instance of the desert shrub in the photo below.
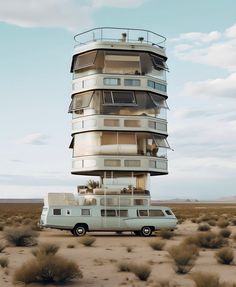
(225, 232)
(222, 223)
(234, 236)
(27, 221)
(129, 249)
(193, 220)
(225, 255)
(124, 266)
(233, 221)
(212, 222)
(205, 279)
(4, 262)
(87, 240)
(184, 257)
(191, 240)
(20, 236)
(47, 269)
(142, 271)
(166, 234)
(204, 227)
(2, 246)
(162, 283)
(45, 249)
(70, 246)
(180, 220)
(157, 244)
(1, 226)
(210, 240)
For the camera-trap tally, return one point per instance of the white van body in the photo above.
(68, 212)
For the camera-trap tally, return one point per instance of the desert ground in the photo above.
(99, 262)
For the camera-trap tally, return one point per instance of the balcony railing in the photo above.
(113, 34)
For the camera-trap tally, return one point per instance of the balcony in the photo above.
(125, 82)
(113, 34)
(105, 122)
(95, 165)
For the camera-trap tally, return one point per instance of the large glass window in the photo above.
(111, 81)
(80, 101)
(83, 60)
(119, 97)
(158, 62)
(120, 63)
(132, 82)
(156, 86)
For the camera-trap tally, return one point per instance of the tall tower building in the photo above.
(118, 106)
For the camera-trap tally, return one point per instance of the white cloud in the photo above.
(73, 15)
(214, 48)
(33, 139)
(118, 3)
(199, 37)
(222, 87)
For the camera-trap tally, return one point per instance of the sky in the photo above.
(35, 87)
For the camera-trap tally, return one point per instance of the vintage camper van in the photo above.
(118, 213)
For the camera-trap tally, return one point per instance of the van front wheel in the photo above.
(79, 230)
(146, 231)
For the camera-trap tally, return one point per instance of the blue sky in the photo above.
(35, 84)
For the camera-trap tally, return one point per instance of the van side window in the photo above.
(108, 212)
(156, 212)
(143, 213)
(85, 211)
(168, 212)
(56, 211)
(122, 213)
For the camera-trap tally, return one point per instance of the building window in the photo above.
(156, 86)
(80, 101)
(111, 123)
(119, 98)
(108, 212)
(132, 163)
(85, 212)
(56, 211)
(83, 61)
(132, 82)
(111, 81)
(132, 123)
(112, 162)
(156, 212)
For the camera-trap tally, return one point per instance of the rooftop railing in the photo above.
(113, 34)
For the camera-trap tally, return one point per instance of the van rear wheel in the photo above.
(146, 231)
(79, 230)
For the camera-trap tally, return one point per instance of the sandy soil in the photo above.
(99, 262)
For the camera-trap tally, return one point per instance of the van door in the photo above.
(111, 219)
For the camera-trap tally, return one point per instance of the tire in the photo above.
(146, 231)
(79, 230)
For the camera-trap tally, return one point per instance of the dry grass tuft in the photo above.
(210, 240)
(157, 244)
(20, 236)
(2, 246)
(184, 257)
(45, 249)
(129, 249)
(225, 255)
(1, 226)
(47, 269)
(233, 221)
(166, 234)
(141, 271)
(225, 232)
(70, 246)
(222, 223)
(204, 227)
(87, 240)
(4, 262)
(124, 266)
(205, 279)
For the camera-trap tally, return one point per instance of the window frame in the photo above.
(85, 209)
(112, 96)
